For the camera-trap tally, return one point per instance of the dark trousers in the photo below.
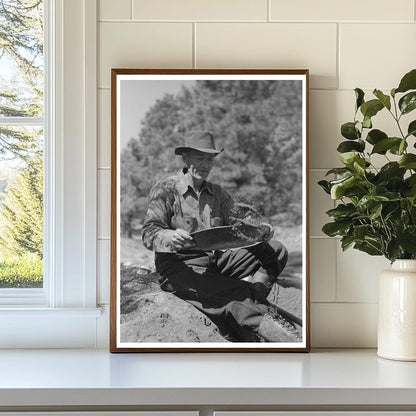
(214, 283)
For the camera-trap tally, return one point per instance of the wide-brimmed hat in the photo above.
(200, 140)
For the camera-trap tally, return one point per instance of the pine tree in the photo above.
(21, 211)
(257, 122)
(21, 87)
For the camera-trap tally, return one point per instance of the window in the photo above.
(63, 312)
(22, 128)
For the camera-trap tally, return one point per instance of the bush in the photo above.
(25, 271)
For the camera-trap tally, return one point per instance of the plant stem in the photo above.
(397, 118)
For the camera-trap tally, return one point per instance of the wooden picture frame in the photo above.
(260, 117)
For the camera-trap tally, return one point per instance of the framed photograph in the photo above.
(209, 211)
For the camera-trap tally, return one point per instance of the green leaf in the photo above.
(385, 99)
(325, 186)
(369, 201)
(374, 136)
(359, 95)
(367, 122)
(350, 131)
(359, 165)
(371, 108)
(408, 102)
(360, 231)
(333, 229)
(346, 187)
(408, 161)
(411, 184)
(368, 248)
(393, 250)
(338, 171)
(408, 82)
(383, 145)
(349, 146)
(411, 180)
(407, 240)
(393, 92)
(411, 130)
(391, 170)
(375, 211)
(412, 201)
(342, 211)
(349, 158)
(346, 242)
(375, 243)
(398, 149)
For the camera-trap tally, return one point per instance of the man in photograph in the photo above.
(229, 286)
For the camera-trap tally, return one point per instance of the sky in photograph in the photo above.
(136, 97)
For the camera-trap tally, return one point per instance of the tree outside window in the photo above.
(21, 143)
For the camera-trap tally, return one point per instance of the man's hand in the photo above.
(181, 239)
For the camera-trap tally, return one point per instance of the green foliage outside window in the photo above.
(21, 147)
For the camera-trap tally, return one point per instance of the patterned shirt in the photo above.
(174, 203)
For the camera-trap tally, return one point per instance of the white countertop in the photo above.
(96, 377)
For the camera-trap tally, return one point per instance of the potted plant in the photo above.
(376, 209)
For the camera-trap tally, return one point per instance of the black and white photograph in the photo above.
(209, 212)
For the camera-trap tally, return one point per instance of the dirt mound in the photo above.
(150, 315)
(162, 317)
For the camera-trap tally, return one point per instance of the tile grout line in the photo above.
(336, 271)
(349, 302)
(269, 10)
(338, 66)
(323, 237)
(131, 9)
(194, 62)
(310, 89)
(308, 22)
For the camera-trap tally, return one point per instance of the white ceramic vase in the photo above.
(397, 312)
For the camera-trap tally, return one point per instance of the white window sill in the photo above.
(331, 379)
(40, 327)
(36, 312)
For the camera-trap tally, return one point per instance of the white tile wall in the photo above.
(328, 110)
(319, 203)
(270, 45)
(104, 202)
(104, 128)
(345, 44)
(200, 10)
(145, 45)
(343, 325)
(323, 269)
(114, 10)
(358, 10)
(376, 55)
(103, 271)
(357, 275)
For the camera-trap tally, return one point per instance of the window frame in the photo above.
(67, 304)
